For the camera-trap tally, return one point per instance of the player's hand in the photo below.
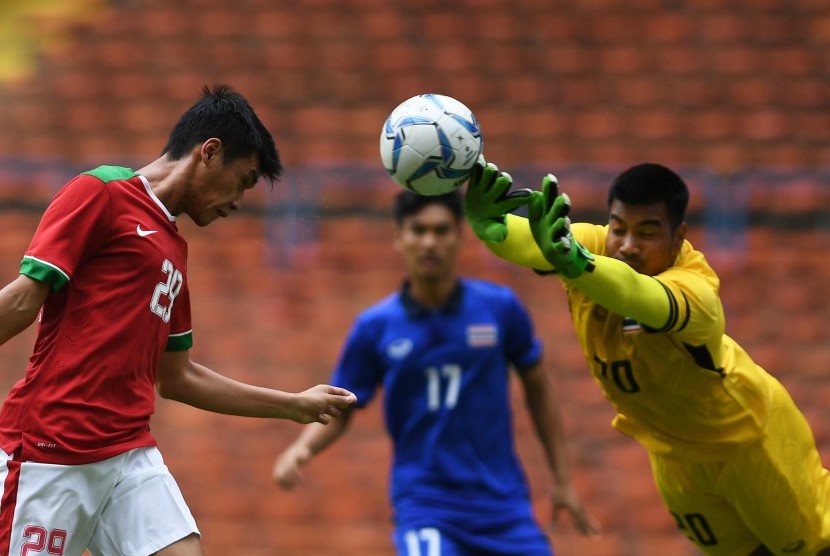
(565, 498)
(551, 228)
(488, 200)
(321, 403)
(286, 471)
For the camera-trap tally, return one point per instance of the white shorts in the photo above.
(128, 505)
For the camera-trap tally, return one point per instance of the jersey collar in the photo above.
(156, 199)
(417, 309)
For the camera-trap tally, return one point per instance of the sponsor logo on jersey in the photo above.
(400, 348)
(482, 335)
(142, 232)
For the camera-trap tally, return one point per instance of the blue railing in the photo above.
(725, 206)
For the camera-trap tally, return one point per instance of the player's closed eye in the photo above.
(437, 230)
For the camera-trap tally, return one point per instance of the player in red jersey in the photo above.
(106, 272)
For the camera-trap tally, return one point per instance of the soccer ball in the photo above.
(430, 143)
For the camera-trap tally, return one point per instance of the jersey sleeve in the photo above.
(682, 300)
(181, 332)
(359, 369)
(692, 288)
(519, 247)
(524, 349)
(73, 225)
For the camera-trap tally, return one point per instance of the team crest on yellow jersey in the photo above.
(630, 326)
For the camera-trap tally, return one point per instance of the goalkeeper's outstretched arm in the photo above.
(611, 283)
(519, 247)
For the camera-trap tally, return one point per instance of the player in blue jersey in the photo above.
(441, 348)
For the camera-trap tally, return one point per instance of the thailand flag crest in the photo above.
(482, 335)
(630, 326)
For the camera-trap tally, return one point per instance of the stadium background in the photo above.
(734, 94)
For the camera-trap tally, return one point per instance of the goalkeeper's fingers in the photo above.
(482, 176)
(550, 190)
(502, 184)
(475, 174)
(560, 230)
(507, 200)
(561, 205)
(523, 192)
(489, 177)
(557, 204)
(509, 204)
(535, 209)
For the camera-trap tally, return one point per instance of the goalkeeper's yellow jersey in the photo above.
(686, 390)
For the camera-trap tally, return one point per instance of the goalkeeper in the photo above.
(732, 456)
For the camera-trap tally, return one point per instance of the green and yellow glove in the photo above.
(488, 200)
(551, 228)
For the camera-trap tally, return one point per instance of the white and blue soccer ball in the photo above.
(430, 143)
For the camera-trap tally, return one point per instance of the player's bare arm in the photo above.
(20, 302)
(178, 378)
(314, 439)
(545, 412)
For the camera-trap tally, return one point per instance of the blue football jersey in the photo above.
(445, 380)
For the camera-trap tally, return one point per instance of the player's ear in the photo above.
(679, 236)
(397, 241)
(211, 149)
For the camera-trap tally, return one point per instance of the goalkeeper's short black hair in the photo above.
(650, 183)
(408, 203)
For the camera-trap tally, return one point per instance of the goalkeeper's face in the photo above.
(429, 240)
(641, 236)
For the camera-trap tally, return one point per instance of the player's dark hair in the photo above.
(408, 203)
(225, 114)
(649, 183)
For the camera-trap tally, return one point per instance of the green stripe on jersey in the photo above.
(111, 173)
(180, 342)
(44, 272)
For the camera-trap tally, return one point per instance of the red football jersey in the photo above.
(117, 265)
